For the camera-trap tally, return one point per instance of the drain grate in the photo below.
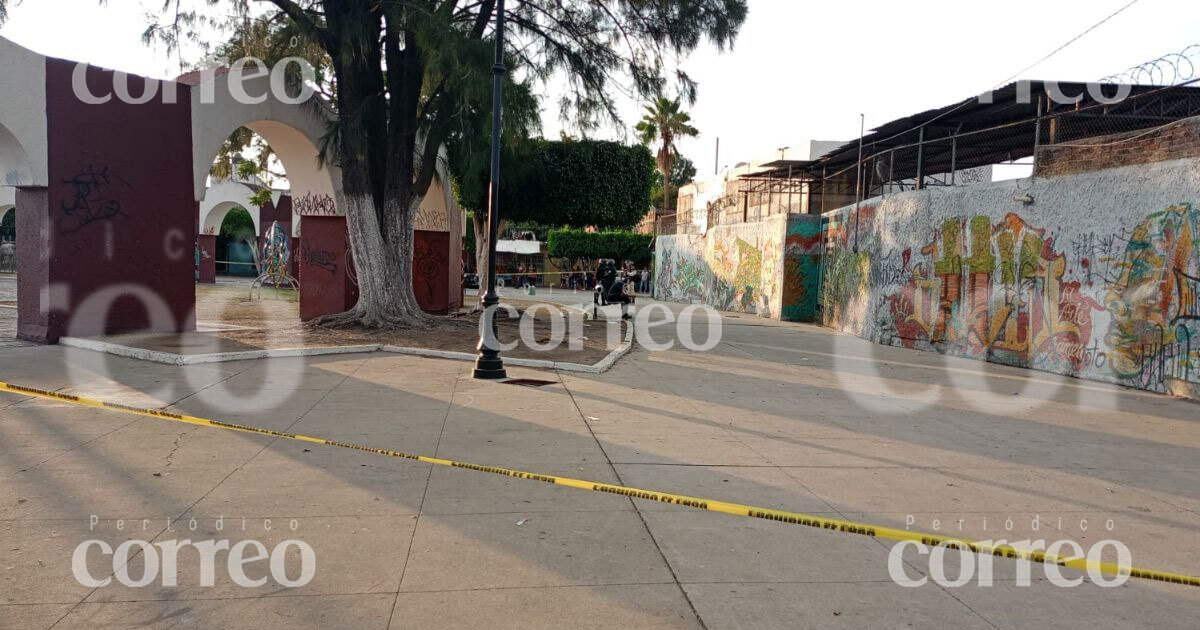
(528, 382)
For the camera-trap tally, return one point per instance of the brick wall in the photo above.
(1176, 141)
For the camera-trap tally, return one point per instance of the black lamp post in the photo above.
(489, 365)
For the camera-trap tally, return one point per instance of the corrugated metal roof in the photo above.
(999, 126)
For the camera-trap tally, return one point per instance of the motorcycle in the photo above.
(613, 286)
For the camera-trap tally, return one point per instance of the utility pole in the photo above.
(862, 127)
(770, 188)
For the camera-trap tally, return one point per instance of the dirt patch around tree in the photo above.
(229, 321)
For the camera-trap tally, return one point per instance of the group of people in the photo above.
(579, 278)
(525, 275)
(585, 279)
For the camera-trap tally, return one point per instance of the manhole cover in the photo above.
(528, 382)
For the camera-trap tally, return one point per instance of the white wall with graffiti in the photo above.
(725, 268)
(1093, 275)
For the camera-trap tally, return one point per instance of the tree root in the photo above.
(356, 319)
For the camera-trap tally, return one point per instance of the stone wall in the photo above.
(1094, 275)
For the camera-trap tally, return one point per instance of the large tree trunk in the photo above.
(376, 154)
(667, 161)
(667, 193)
(401, 241)
(479, 222)
(383, 266)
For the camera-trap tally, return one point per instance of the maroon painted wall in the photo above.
(119, 210)
(456, 270)
(33, 219)
(326, 287)
(431, 270)
(283, 212)
(207, 244)
(294, 263)
(272, 211)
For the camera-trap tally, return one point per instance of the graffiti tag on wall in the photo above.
(1153, 300)
(994, 291)
(94, 197)
(1118, 306)
(730, 274)
(312, 204)
(320, 258)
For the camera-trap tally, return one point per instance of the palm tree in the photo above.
(664, 122)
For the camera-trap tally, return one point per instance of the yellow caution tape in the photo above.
(737, 509)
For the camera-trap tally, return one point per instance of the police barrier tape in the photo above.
(736, 509)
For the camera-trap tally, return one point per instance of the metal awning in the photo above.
(780, 168)
(523, 247)
(1004, 125)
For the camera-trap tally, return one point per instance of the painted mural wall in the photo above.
(768, 268)
(1093, 275)
(801, 268)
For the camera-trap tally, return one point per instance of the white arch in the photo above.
(23, 139)
(222, 197)
(4, 210)
(439, 209)
(217, 216)
(293, 131)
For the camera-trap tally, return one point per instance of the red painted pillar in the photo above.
(324, 255)
(207, 244)
(34, 316)
(431, 260)
(294, 263)
(108, 236)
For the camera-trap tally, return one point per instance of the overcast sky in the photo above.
(800, 70)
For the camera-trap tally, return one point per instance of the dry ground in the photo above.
(228, 320)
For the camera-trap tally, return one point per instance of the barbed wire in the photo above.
(1169, 69)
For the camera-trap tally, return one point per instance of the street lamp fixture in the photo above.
(489, 365)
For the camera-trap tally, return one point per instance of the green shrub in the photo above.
(576, 244)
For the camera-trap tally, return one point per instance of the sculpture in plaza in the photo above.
(273, 262)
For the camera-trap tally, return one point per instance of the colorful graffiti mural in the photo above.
(727, 276)
(768, 268)
(801, 269)
(1153, 302)
(845, 271)
(1120, 307)
(995, 292)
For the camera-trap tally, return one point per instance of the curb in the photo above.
(170, 358)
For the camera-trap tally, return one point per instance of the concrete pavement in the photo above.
(778, 415)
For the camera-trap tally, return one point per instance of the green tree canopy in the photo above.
(237, 225)
(579, 183)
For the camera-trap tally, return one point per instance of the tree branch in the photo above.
(481, 20)
(436, 135)
(305, 21)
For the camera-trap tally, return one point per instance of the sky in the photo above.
(800, 70)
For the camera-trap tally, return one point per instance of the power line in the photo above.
(1021, 71)
(1069, 42)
